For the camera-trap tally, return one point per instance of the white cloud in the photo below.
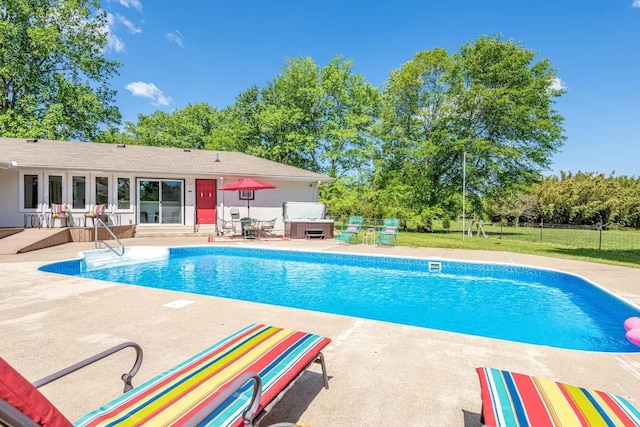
(148, 90)
(131, 3)
(636, 3)
(132, 28)
(177, 37)
(558, 84)
(114, 42)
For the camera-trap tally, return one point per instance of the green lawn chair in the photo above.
(351, 232)
(389, 232)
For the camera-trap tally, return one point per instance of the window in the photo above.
(55, 189)
(30, 191)
(102, 190)
(124, 193)
(246, 195)
(78, 192)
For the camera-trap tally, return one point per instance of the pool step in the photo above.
(105, 258)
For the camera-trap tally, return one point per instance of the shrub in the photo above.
(446, 223)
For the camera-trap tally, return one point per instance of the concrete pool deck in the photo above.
(381, 374)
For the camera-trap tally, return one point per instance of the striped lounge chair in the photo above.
(233, 383)
(511, 399)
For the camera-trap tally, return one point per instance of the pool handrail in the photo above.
(97, 241)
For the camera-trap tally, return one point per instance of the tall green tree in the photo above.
(491, 100)
(318, 118)
(350, 108)
(506, 116)
(54, 78)
(291, 115)
(238, 127)
(191, 127)
(418, 151)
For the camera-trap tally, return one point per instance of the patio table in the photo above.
(250, 228)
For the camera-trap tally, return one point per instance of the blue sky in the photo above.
(177, 53)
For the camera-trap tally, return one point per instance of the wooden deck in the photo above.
(6, 232)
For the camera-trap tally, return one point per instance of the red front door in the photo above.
(205, 201)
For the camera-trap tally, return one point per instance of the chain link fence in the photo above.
(576, 236)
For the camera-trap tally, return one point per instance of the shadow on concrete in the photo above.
(296, 401)
(471, 419)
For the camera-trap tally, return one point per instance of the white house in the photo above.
(147, 186)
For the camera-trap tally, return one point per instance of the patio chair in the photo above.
(95, 211)
(512, 399)
(351, 232)
(226, 228)
(61, 212)
(389, 232)
(267, 227)
(233, 383)
(235, 213)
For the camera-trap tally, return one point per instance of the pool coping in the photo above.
(380, 372)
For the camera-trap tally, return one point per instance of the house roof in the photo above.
(90, 156)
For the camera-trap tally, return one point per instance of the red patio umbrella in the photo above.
(247, 184)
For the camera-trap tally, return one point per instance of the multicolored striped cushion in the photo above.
(511, 399)
(276, 355)
(58, 210)
(96, 211)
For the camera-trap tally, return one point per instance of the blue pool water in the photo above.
(499, 301)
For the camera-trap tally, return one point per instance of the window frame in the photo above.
(116, 200)
(246, 195)
(87, 186)
(94, 190)
(46, 196)
(40, 191)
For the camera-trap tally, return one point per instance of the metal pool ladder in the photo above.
(97, 241)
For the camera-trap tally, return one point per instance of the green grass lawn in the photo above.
(578, 238)
(454, 241)
(618, 247)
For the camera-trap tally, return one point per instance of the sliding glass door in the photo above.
(171, 202)
(160, 201)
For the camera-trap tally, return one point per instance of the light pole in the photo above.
(464, 187)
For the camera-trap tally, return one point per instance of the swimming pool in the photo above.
(493, 300)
